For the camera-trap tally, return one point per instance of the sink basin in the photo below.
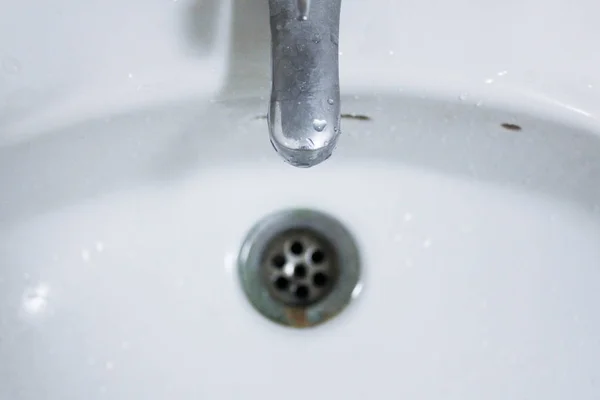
(479, 247)
(476, 210)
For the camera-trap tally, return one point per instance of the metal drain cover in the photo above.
(299, 267)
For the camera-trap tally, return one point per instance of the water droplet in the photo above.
(11, 65)
(99, 247)
(489, 80)
(330, 101)
(391, 52)
(340, 53)
(426, 243)
(303, 9)
(319, 124)
(502, 73)
(35, 299)
(463, 96)
(85, 255)
(130, 75)
(316, 38)
(408, 217)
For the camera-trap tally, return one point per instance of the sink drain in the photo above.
(299, 267)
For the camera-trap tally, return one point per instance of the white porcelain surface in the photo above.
(132, 164)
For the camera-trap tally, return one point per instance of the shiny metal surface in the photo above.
(304, 111)
(268, 257)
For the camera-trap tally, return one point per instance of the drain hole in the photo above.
(302, 292)
(299, 267)
(320, 279)
(317, 257)
(300, 271)
(281, 283)
(297, 248)
(278, 261)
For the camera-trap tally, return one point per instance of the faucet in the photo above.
(304, 109)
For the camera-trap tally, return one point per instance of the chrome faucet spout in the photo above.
(304, 111)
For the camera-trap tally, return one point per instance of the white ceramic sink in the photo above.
(123, 206)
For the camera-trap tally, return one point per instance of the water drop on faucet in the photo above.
(303, 9)
(319, 124)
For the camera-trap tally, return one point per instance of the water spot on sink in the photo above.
(511, 127)
(10, 65)
(35, 299)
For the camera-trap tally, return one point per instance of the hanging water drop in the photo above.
(303, 9)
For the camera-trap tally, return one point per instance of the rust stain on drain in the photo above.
(297, 317)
